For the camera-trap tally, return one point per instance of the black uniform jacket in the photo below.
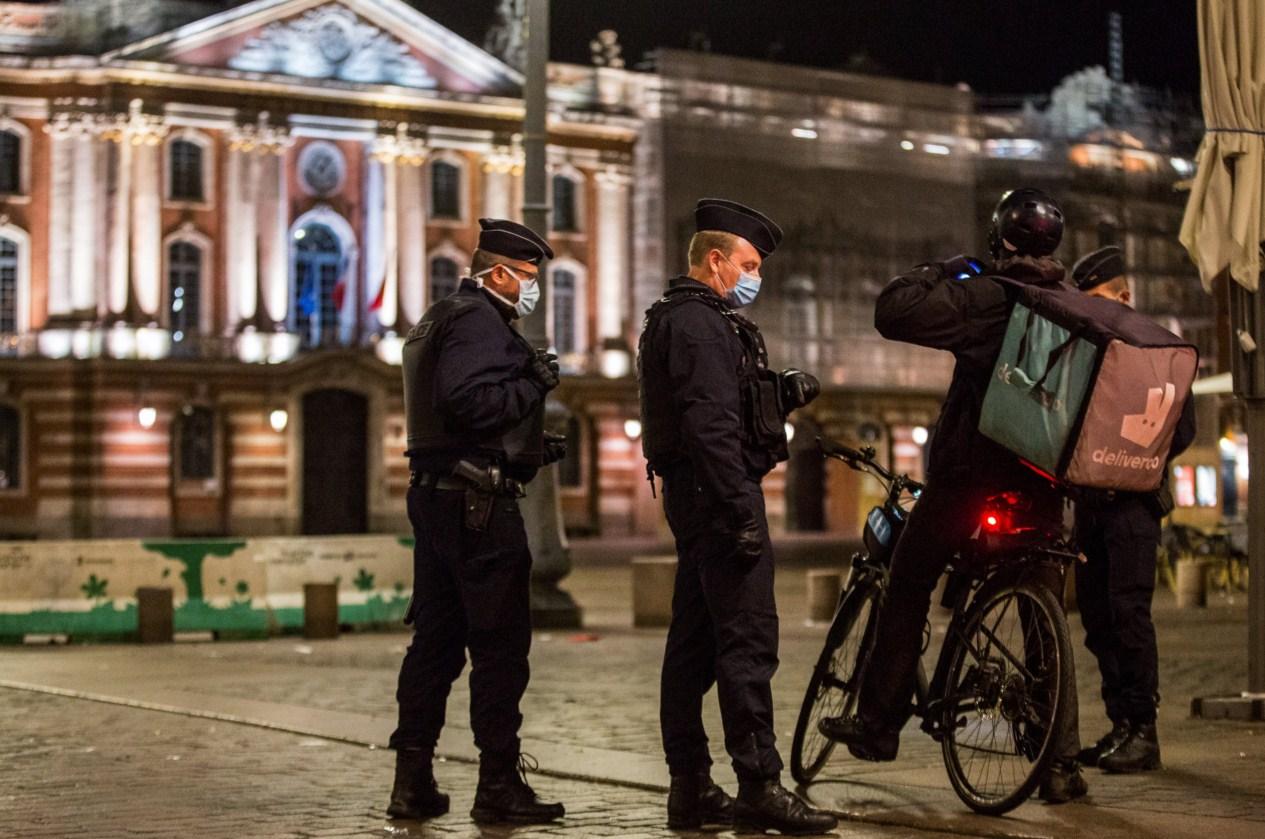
(968, 318)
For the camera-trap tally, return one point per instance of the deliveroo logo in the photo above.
(1143, 428)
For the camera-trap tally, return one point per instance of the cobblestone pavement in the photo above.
(599, 688)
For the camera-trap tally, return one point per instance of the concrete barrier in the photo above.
(653, 582)
(824, 585)
(1192, 584)
(155, 615)
(320, 610)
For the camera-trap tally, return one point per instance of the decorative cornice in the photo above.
(399, 148)
(135, 127)
(261, 137)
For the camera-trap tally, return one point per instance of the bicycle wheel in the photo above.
(836, 680)
(1006, 699)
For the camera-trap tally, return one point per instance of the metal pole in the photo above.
(551, 561)
(1254, 419)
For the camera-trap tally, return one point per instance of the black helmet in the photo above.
(1026, 222)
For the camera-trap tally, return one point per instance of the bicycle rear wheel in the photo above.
(1007, 695)
(836, 680)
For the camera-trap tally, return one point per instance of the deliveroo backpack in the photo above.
(1086, 389)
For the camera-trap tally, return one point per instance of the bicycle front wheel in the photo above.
(1007, 697)
(836, 680)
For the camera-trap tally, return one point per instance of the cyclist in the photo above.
(1119, 534)
(953, 306)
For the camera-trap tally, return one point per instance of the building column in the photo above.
(614, 270)
(414, 271)
(241, 254)
(397, 208)
(62, 135)
(274, 233)
(84, 223)
(147, 226)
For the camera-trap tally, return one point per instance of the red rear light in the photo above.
(991, 521)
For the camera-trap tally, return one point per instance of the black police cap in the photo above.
(1098, 267)
(516, 241)
(732, 217)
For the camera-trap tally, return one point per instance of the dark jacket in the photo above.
(466, 384)
(692, 404)
(968, 318)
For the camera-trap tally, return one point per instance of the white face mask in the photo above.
(746, 289)
(528, 291)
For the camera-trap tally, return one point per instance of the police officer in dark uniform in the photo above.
(948, 306)
(474, 393)
(1119, 534)
(713, 425)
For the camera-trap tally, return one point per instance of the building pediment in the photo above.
(370, 42)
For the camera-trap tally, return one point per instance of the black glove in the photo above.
(963, 267)
(798, 388)
(543, 367)
(555, 447)
(748, 540)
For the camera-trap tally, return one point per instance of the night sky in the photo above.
(1021, 46)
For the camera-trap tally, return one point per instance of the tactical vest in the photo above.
(762, 417)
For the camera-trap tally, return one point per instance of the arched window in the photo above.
(10, 447)
(184, 284)
(186, 164)
(563, 296)
(8, 285)
(445, 190)
(565, 211)
(444, 277)
(10, 163)
(317, 298)
(196, 444)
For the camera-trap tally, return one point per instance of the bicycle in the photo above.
(998, 695)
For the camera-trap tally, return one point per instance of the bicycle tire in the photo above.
(1055, 649)
(809, 748)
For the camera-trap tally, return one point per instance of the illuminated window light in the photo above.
(804, 133)
(920, 435)
(146, 417)
(935, 148)
(632, 428)
(279, 419)
(907, 145)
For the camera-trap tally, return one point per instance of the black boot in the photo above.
(1063, 783)
(1140, 751)
(1106, 744)
(695, 800)
(504, 795)
(415, 794)
(864, 741)
(767, 805)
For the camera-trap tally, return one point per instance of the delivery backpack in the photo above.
(1086, 389)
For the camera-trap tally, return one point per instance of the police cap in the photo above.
(732, 217)
(1098, 267)
(511, 239)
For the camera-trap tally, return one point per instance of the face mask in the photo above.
(744, 293)
(528, 292)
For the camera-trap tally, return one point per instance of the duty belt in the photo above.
(466, 475)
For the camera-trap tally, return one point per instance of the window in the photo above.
(8, 285)
(565, 217)
(570, 468)
(564, 316)
(317, 296)
(443, 277)
(445, 190)
(184, 283)
(186, 171)
(196, 444)
(10, 448)
(10, 163)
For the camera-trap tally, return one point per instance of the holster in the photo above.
(478, 509)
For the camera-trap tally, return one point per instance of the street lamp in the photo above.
(146, 417)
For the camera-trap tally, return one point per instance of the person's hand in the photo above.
(748, 541)
(798, 388)
(963, 267)
(543, 367)
(555, 447)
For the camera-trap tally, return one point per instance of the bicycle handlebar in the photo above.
(865, 457)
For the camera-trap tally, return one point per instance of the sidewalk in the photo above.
(591, 720)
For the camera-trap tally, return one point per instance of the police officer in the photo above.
(713, 425)
(474, 393)
(1119, 534)
(944, 305)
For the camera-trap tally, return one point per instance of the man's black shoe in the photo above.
(1140, 752)
(767, 805)
(1063, 783)
(503, 794)
(864, 741)
(415, 795)
(695, 801)
(1106, 744)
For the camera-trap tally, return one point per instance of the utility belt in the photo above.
(481, 484)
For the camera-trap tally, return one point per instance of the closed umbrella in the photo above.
(1223, 229)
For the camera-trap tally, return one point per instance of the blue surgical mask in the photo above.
(528, 292)
(744, 293)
